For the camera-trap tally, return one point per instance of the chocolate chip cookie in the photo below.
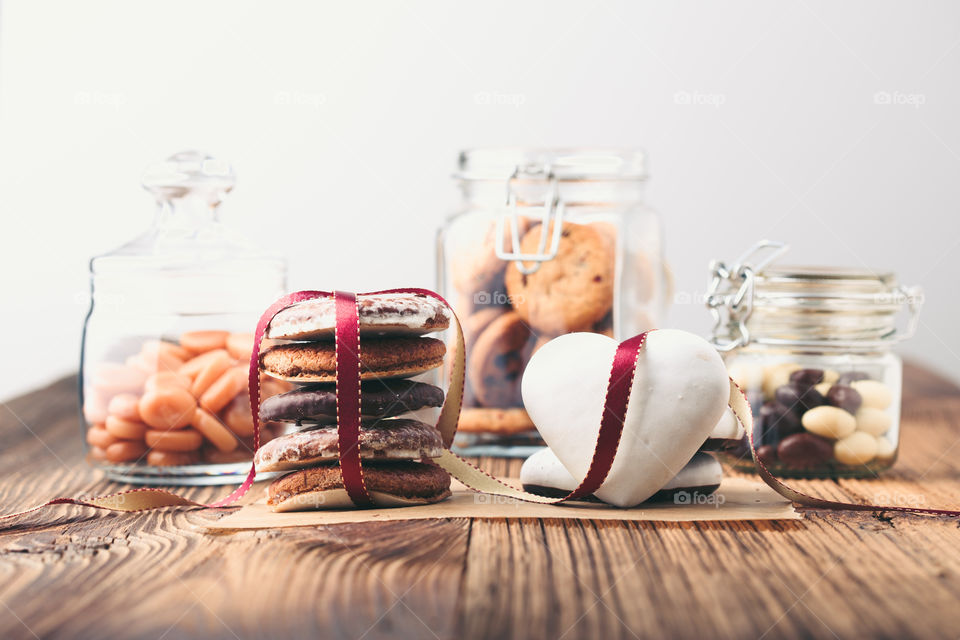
(497, 361)
(571, 292)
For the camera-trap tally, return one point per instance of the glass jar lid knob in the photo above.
(190, 173)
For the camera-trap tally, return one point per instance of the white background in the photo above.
(344, 119)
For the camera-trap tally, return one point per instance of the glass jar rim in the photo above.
(539, 164)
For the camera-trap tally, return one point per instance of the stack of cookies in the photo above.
(395, 447)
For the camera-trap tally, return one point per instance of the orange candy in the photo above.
(223, 390)
(167, 379)
(170, 458)
(125, 429)
(98, 436)
(124, 406)
(213, 430)
(240, 346)
(179, 440)
(202, 341)
(191, 368)
(209, 374)
(96, 453)
(125, 451)
(167, 407)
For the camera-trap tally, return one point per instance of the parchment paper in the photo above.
(737, 499)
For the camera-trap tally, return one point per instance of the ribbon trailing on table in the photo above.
(348, 363)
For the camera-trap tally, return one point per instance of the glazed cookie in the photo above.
(409, 314)
(476, 267)
(573, 291)
(501, 421)
(497, 360)
(388, 439)
(544, 474)
(379, 358)
(389, 485)
(378, 399)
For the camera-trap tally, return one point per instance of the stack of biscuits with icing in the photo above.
(395, 447)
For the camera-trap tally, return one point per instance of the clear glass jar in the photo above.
(167, 340)
(811, 348)
(546, 242)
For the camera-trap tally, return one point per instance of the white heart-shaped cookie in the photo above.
(680, 391)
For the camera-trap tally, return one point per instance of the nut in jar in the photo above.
(811, 348)
(547, 243)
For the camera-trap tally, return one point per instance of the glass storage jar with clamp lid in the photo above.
(812, 349)
(546, 242)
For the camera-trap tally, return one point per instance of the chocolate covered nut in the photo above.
(830, 376)
(803, 450)
(829, 422)
(823, 388)
(799, 398)
(807, 377)
(776, 376)
(767, 454)
(857, 448)
(885, 449)
(844, 397)
(875, 394)
(851, 376)
(776, 422)
(876, 422)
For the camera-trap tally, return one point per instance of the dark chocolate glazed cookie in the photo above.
(317, 403)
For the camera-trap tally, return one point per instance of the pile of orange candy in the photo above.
(177, 403)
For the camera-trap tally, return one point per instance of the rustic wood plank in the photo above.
(73, 571)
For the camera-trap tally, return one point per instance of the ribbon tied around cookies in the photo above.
(348, 350)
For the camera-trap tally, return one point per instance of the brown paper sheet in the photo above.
(737, 499)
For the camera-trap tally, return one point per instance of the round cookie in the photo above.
(389, 485)
(475, 267)
(378, 399)
(500, 421)
(573, 291)
(407, 314)
(388, 439)
(379, 358)
(497, 360)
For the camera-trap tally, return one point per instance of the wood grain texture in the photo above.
(74, 572)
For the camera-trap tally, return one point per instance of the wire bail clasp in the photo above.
(730, 293)
(553, 210)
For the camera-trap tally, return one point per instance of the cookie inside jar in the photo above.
(547, 243)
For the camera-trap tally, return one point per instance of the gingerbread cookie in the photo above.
(388, 439)
(497, 361)
(394, 484)
(379, 358)
(571, 292)
(408, 314)
(317, 403)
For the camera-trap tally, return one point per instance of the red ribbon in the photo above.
(347, 343)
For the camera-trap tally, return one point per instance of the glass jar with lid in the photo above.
(167, 340)
(545, 242)
(812, 349)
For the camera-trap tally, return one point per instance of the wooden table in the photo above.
(75, 572)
